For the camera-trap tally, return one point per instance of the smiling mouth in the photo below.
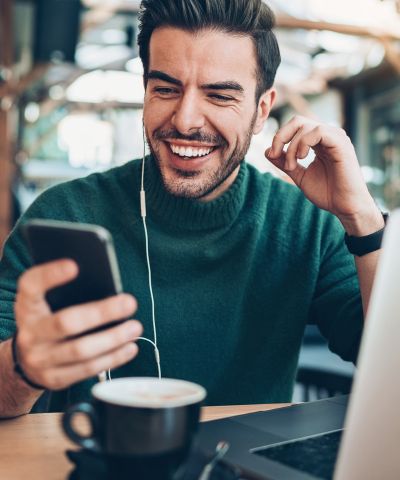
(191, 152)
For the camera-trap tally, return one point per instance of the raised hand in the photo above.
(333, 181)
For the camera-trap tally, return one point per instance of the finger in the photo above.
(303, 151)
(60, 378)
(291, 153)
(279, 161)
(324, 136)
(314, 137)
(296, 174)
(87, 347)
(285, 134)
(35, 282)
(76, 320)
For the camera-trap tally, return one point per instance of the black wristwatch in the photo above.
(369, 243)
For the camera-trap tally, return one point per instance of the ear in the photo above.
(265, 104)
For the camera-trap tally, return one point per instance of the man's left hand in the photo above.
(333, 181)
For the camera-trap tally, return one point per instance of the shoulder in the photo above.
(95, 188)
(277, 195)
(287, 212)
(116, 177)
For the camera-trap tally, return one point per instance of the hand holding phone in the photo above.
(52, 350)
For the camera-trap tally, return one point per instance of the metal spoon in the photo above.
(220, 451)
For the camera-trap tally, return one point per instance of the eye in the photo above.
(165, 91)
(220, 98)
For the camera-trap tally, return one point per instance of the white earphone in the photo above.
(143, 215)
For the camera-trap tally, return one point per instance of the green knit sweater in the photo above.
(235, 280)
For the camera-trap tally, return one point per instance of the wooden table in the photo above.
(32, 447)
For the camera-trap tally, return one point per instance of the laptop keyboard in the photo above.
(313, 455)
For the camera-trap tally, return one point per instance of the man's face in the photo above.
(199, 110)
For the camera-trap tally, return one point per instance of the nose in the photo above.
(188, 115)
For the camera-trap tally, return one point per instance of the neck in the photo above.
(217, 210)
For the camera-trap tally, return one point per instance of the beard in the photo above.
(184, 184)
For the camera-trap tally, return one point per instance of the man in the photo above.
(241, 261)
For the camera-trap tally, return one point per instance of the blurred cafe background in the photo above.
(71, 98)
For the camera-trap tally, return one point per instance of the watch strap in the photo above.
(368, 243)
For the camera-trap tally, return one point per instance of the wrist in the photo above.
(16, 397)
(18, 368)
(363, 223)
(362, 245)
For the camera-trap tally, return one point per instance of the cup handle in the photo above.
(90, 442)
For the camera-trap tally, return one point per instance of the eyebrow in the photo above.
(228, 85)
(158, 75)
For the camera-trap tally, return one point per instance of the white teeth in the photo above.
(190, 151)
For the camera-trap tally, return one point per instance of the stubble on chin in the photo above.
(190, 184)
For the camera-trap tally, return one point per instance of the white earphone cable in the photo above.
(153, 315)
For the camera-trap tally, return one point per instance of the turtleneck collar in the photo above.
(190, 214)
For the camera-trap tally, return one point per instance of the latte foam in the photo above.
(149, 392)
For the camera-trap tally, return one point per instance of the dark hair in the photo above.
(251, 18)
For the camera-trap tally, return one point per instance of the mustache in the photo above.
(173, 134)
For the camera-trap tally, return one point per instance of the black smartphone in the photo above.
(90, 246)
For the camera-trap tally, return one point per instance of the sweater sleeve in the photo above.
(337, 306)
(16, 258)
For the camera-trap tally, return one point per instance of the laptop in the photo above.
(340, 438)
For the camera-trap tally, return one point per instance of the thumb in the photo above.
(295, 174)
